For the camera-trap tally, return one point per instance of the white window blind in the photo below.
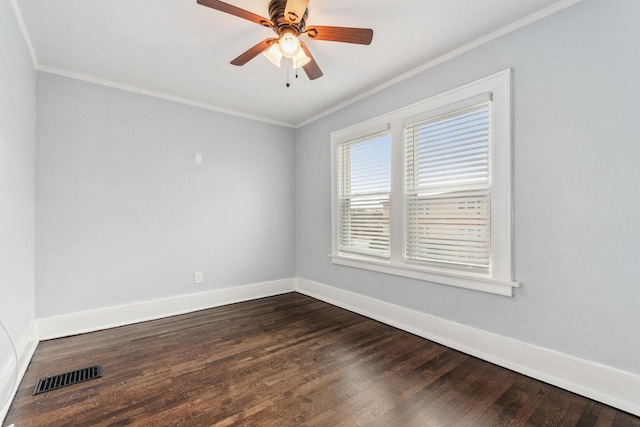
(364, 185)
(437, 206)
(448, 189)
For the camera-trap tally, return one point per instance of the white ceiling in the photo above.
(181, 50)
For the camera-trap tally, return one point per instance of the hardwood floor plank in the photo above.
(287, 360)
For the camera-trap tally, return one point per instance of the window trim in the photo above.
(500, 279)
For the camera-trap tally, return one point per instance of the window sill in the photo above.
(460, 280)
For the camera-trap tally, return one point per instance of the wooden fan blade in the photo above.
(311, 68)
(295, 9)
(341, 34)
(236, 11)
(254, 51)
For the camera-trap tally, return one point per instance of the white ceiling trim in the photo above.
(161, 95)
(448, 56)
(25, 34)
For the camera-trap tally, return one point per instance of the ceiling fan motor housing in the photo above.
(280, 22)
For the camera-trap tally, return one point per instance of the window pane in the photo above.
(364, 185)
(448, 190)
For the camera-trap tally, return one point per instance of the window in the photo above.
(364, 187)
(447, 189)
(425, 191)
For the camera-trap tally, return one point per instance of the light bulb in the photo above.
(289, 44)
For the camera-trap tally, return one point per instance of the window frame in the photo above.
(499, 279)
(413, 169)
(340, 214)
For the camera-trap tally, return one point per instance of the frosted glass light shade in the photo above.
(301, 59)
(274, 55)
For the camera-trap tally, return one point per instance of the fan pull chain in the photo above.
(291, 65)
(288, 85)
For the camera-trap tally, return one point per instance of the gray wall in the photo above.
(125, 215)
(577, 237)
(17, 145)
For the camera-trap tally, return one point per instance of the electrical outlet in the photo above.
(197, 277)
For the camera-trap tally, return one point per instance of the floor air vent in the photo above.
(69, 378)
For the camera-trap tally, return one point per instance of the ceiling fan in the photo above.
(288, 21)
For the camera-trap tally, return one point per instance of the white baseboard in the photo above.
(608, 385)
(111, 317)
(8, 383)
(599, 382)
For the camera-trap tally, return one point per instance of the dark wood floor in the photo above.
(284, 361)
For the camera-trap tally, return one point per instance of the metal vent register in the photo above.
(66, 379)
